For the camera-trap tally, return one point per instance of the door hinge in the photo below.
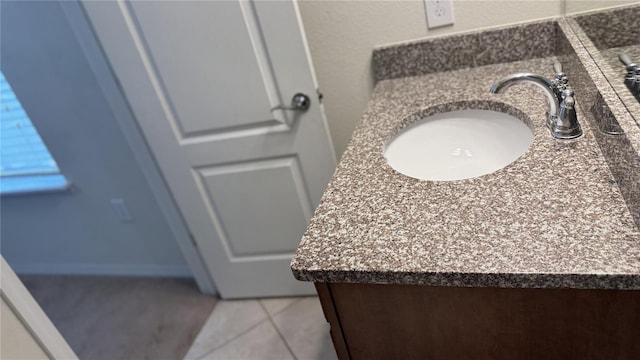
(193, 240)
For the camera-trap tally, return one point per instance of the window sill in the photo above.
(27, 185)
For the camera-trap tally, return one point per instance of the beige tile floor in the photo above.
(281, 328)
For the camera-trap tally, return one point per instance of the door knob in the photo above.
(299, 102)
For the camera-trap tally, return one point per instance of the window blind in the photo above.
(25, 161)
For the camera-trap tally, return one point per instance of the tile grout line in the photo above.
(230, 340)
(252, 327)
(237, 336)
(278, 330)
(284, 308)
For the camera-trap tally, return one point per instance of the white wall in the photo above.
(342, 35)
(78, 231)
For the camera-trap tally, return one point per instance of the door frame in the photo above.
(18, 298)
(84, 33)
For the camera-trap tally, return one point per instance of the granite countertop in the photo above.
(553, 218)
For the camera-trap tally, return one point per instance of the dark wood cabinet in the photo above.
(419, 322)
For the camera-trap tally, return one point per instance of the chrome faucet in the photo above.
(561, 117)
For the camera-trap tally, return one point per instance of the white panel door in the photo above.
(204, 79)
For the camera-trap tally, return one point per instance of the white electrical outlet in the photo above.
(121, 210)
(439, 13)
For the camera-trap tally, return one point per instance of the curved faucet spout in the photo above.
(539, 80)
(561, 118)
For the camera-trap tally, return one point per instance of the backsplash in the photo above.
(466, 50)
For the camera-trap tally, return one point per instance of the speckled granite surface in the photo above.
(612, 28)
(471, 49)
(553, 218)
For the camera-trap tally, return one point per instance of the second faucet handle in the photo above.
(626, 60)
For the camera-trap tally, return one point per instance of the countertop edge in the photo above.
(497, 280)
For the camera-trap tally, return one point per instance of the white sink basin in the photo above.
(458, 145)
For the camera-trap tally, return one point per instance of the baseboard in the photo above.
(103, 269)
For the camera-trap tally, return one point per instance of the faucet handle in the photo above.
(626, 60)
(557, 67)
(560, 80)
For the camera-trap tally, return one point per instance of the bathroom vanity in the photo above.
(537, 260)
